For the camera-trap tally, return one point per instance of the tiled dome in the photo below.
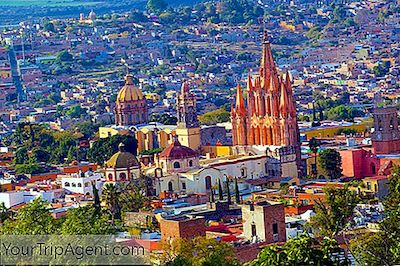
(177, 151)
(129, 92)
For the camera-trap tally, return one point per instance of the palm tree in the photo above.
(110, 196)
(237, 194)
(220, 192)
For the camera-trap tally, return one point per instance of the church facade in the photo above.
(269, 117)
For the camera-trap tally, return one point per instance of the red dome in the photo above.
(177, 151)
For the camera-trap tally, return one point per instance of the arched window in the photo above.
(110, 177)
(66, 184)
(177, 165)
(190, 163)
(122, 176)
(170, 186)
(79, 184)
(208, 182)
(243, 172)
(73, 185)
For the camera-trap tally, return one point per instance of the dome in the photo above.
(177, 151)
(129, 92)
(122, 159)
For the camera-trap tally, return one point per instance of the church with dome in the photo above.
(122, 167)
(131, 108)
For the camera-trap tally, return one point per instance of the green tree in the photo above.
(104, 148)
(32, 219)
(28, 168)
(86, 221)
(64, 56)
(220, 192)
(156, 6)
(21, 156)
(217, 116)
(335, 213)
(4, 213)
(49, 26)
(237, 193)
(331, 162)
(314, 147)
(200, 251)
(302, 250)
(76, 111)
(110, 196)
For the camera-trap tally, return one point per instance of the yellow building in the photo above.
(148, 137)
(329, 132)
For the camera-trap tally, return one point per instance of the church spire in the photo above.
(240, 107)
(267, 60)
(185, 87)
(249, 83)
(284, 101)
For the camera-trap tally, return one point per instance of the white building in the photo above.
(82, 182)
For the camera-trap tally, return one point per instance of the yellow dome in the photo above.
(122, 159)
(129, 92)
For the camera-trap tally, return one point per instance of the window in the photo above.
(373, 168)
(73, 185)
(275, 228)
(170, 186)
(369, 185)
(253, 230)
(252, 207)
(67, 184)
(87, 184)
(79, 184)
(183, 185)
(208, 182)
(190, 163)
(177, 165)
(122, 176)
(110, 177)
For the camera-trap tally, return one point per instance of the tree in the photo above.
(29, 168)
(302, 250)
(110, 197)
(86, 221)
(199, 252)
(104, 148)
(217, 116)
(32, 219)
(220, 192)
(76, 111)
(333, 215)
(21, 156)
(314, 147)
(49, 26)
(331, 162)
(228, 191)
(64, 56)
(237, 194)
(382, 247)
(4, 213)
(156, 6)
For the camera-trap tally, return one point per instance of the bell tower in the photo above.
(188, 129)
(386, 135)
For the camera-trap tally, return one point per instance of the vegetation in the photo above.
(156, 6)
(103, 149)
(165, 119)
(333, 215)
(302, 250)
(214, 117)
(330, 162)
(198, 252)
(382, 247)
